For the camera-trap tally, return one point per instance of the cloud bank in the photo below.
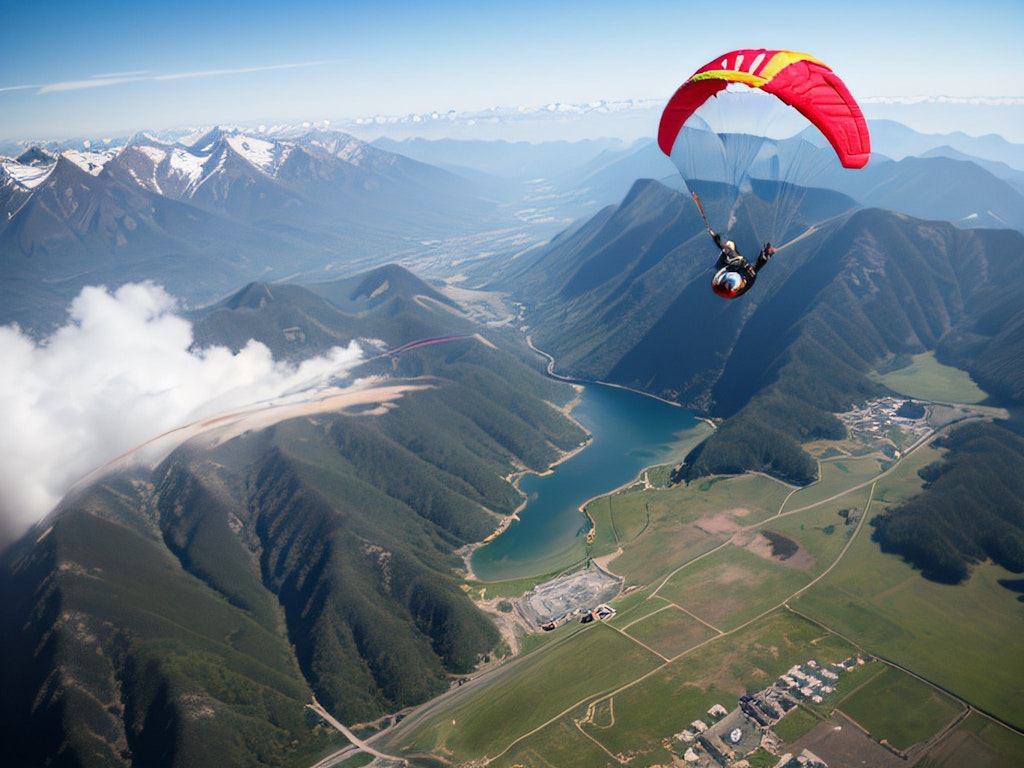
(119, 373)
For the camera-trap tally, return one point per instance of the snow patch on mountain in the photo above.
(90, 162)
(187, 164)
(265, 155)
(28, 176)
(155, 154)
(350, 150)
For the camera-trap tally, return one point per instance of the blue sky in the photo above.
(76, 68)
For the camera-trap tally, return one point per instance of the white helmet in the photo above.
(727, 284)
(729, 245)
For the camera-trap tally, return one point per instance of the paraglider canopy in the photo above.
(798, 79)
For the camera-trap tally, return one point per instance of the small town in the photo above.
(878, 419)
(726, 738)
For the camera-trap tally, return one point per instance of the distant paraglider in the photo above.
(732, 165)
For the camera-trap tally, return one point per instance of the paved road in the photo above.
(356, 741)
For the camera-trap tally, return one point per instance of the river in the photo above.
(629, 432)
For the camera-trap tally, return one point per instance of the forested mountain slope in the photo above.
(625, 298)
(185, 615)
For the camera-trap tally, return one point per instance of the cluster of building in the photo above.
(805, 759)
(766, 707)
(602, 612)
(808, 681)
(876, 418)
(731, 736)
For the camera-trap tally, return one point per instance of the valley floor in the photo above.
(696, 624)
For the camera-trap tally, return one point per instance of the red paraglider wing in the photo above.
(798, 79)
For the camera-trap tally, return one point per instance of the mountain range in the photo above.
(909, 172)
(205, 213)
(184, 613)
(611, 297)
(624, 299)
(206, 217)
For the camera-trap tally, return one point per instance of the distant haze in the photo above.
(71, 69)
(627, 120)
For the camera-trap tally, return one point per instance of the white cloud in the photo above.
(117, 375)
(95, 82)
(27, 87)
(102, 81)
(238, 70)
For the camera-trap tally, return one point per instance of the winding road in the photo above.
(358, 743)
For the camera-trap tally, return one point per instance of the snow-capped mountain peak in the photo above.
(263, 154)
(91, 162)
(28, 176)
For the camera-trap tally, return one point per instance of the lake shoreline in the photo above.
(469, 551)
(466, 552)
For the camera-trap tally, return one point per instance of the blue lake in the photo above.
(630, 432)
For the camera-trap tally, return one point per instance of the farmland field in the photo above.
(956, 636)
(979, 743)
(899, 708)
(718, 672)
(927, 379)
(732, 586)
(669, 631)
(837, 477)
(543, 684)
(733, 581)
(685, 521)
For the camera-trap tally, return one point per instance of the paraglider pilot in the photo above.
(735, 276)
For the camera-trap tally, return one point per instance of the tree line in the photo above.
(972, 509)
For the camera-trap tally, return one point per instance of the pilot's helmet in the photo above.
(727, 284)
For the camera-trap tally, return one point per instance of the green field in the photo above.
(732, 586)
(837, 477)
(826, 528)
(796, 724)
(979, 743)
(718, 612)
(685, 521)
(560, 744)
(899, 708)
(960, 637)
(669, 631)
(927, 379)
(533, 690)
(718, 672)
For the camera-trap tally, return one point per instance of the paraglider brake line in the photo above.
(701, 209)
(712, 232)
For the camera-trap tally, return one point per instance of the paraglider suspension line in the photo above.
(702, 215)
